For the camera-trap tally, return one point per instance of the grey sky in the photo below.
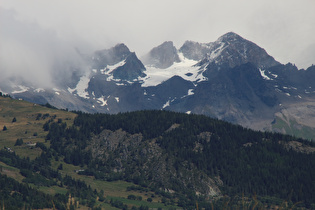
(35, 34)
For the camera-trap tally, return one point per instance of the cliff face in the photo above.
(162, 56)
(145, 160)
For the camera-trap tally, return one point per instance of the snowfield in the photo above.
(82, 86)
(185, 69)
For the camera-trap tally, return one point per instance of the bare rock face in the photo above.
(109, 141)
(232, 50)
(298, 146)
(194, 50)
(162, 56)
(228, 51)
(131, 70)
(243, 51)
(111, 56)
(119, 63)
(133, 156)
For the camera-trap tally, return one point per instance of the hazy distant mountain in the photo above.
(194, 50)
(162, 56)
(231, 79)
(102, 58)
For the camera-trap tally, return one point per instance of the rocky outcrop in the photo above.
(111, 56)
(135, 158)
(131, 70)
(232, 50)
(194, 50)
(162, 56)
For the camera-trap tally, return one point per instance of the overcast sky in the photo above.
(35, 34)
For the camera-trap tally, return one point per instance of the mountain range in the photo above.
(232, 79)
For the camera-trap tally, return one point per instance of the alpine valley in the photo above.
(231, 79)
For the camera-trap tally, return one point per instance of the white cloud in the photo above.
(30, 52)
(285, 28)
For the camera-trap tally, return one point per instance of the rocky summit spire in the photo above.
(194, 50)
(230, 37)
(131, 70)
(111, 56)
(162, 56)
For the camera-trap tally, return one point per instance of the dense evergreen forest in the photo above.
(14, 195)
(247, 162)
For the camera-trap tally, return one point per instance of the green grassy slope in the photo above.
(28, 126)
(291, 127)
(24, 120)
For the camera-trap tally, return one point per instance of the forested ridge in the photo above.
(245, 161)
(171, 159)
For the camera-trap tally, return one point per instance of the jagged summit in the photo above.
(118, 63)
(111, 56)
(131, 70)
(232, 50)
(194, 50)
(162, 56)
(229, 50)
(230, 37)
(199, 51)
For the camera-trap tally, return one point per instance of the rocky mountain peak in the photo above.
(120, 50)
(162, 56)
(194, 50)
(111, 56)
(131, 70)
(232, 50)
(230, 37)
